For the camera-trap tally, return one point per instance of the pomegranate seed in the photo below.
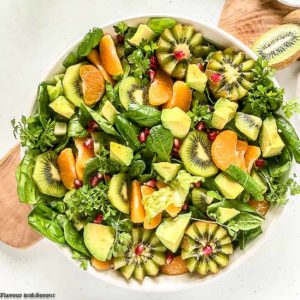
(176, 144)
(179, 54)
(107, 177)
(98, 219)
(100, 176)
(147, 131)
(153, 62)
(139, 249)
(216, 77)
(94, 181)
(92, 126)
(151, 74)
(89, 143)
(175, 153)
(201, 67)
(142, 137)
(212, 135)
(260, 163)
(169, 257)
(200, 126)
(207, 250)
(151, 183)
(185, 206)
(77, 183)
(120, 38)
(197, 184)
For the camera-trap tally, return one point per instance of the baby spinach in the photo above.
(246, 221)
(143, 115)
(43, 219)
(158, 25)
(62, 144)
(160, 141)
(43, 104)
(136, 168)
(246, 235)
(75, 129)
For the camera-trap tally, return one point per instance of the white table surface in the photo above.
(32, 34)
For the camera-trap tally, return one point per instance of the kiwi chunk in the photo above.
(280, 45)
(177, 46)
(200, 199)
(249, 125)
(195, 154)
(46, 175)
(144, 256)
(72, 85)
(206, 247)
(118, 193)
(131, 90)
(229, 74)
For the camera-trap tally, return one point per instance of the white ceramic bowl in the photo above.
(291, 3)
(164, 283)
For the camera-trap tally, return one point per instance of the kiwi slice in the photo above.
(118, 193)
(280, 45)
(144, 256)
(200, 199)
(249, 125)
(131, 90)
(195, 154)
(72, 84)
(229, 74)
(177, 47)
(46, 175)
(206, 247)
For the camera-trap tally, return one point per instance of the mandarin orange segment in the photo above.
(137, 212)
(173, 210)
(223, 149)
(181, 97)
(109, 56)
(161, 185)
(176, 267)
(251, 155)
(160, 90)
(261, 207)
(101, 265)
(66, 166)
(83, 155)
(152, 223)
(94, 58)
(241, 149)
(93, 85)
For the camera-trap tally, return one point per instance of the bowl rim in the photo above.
(247, 253)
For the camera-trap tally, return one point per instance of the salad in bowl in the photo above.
(156, 151)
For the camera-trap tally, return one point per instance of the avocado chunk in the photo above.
(249, 125)
(171, 231)
(166, 170)
(224, 112)
(195, 78)
(120, 154)
(60, 128)
(259, 180)
(229, 188)
(98, 239)
(177, 121)
(144, 32)
(109, 112)
(270, 141)
(63, 107)
(225, 214)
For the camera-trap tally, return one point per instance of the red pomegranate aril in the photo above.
(151, 183)
(176, 144)
(147, 131)
(179, 54)
(260, 163)
(107, 177)
(89, 143)
(98, 219)
(142, 137)
(94, 181)
(100, 176)
(139, 249)
(200, 126)
(151, 74)
(77, 183)
(175, 153)
(169, 257)
(216, 77)
(153, 62)
(92, 126)
(201, 67)
(207, 250)
(185, 206)
(120, 38)
(197, 184)
(212, 135)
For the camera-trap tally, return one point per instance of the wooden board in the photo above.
(14, 229)
(248, 19)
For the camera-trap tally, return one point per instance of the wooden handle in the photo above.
(14, 229)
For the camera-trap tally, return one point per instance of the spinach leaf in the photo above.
(136, 168)
(158, 25)
(160, 141)
(128, 131)
(58, 206)
(246, 221)
(62, 144)
(244, 236)
(43, 219)
(43, 104)
(143, 115)
(75, 129)
(90, 41)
